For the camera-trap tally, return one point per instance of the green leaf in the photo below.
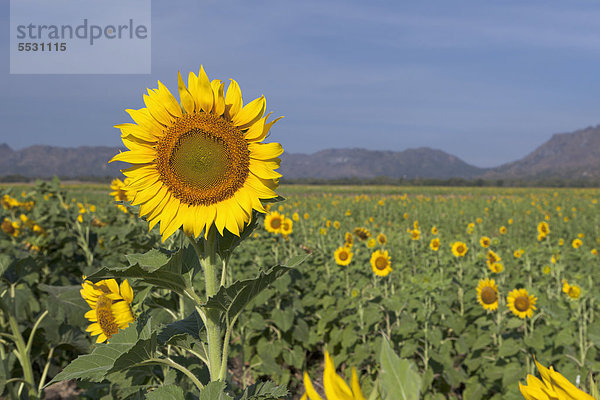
(167, 392)
(398, 377)
(214, 391)
(67, 303)
(170, 275)
(264, 391)
(191, 325)
(96, 365)
(231, 300)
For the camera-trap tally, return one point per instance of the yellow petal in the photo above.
(168, 100)
(260, 187)
(144, 195)
(137, 131)
(251, 113)
(211, 214)
(144, 119)
(126, 291)
(135, 157)
(264, 169)
(265, 151)
(205, 99)
(310, 390)
(219, 93)
(157, 110)
(149, 206)
(233, 100)
(356, 391)
(91, 316)
(335, 387)
(193, 88)
(185, 96)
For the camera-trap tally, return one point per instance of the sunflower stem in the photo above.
(208, 260)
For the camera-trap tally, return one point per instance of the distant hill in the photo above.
(47, 161)
(365, 164)
(573, 155)
(566, 156)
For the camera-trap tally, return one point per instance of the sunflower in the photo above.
(434, 230)
(343, 256)
(492, 257)
(381, 239)
(487, 294)
(287, 227)
(381, 263)
(335, 387)
(434, 244)
(362, 233)
(415, 234)
(496, 267)
(543, 229)
(199, 163)
(459, 249)
(274, 222)
(521, 303)
(372, 242)
(485, 242)
(576, 243)
(573, 291)
(348, 240)
(502, 230)
(111, 307)
(552, 386)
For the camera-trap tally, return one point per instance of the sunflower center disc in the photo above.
(105, 316)
(522, 303)
(203, 159)
(488, 295)
(275, 223)
(381, 263)
(343, 256)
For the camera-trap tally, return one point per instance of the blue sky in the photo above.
(485, 81)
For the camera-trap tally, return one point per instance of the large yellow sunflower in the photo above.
(111, 307)
(521, 303)
(553, 386)
(199, 162)
(343, 256)
(487, 294)
(381, 263)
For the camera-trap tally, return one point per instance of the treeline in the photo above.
(461, 182)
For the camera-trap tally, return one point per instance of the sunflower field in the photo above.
(458, 290)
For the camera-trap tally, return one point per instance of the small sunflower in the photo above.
(434, 230)
(459, 249)
(496, 267)
(110, 307)
(518, 253)
(434, 244)
(362, 233)
(372, 242)
(543, 229)
(521, 303)
(381, 263)
(485, 242)
(343, 256)
(274, 222)
(492, 257)
(576, 243)
(487, 294)
(287, 227)
(573, 291)
(200, 161)
(348, 240)
(502, 230)
(415, 234)
(382, 239)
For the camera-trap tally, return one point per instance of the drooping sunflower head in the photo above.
(362, 233)
(110, 307)
(343, 256)
(487, 294)
(200, 161)
(381, 263)
(492, 257)
(521, 303)
(459, 249)
(274, 222)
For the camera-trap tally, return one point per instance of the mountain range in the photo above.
(566, 156)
